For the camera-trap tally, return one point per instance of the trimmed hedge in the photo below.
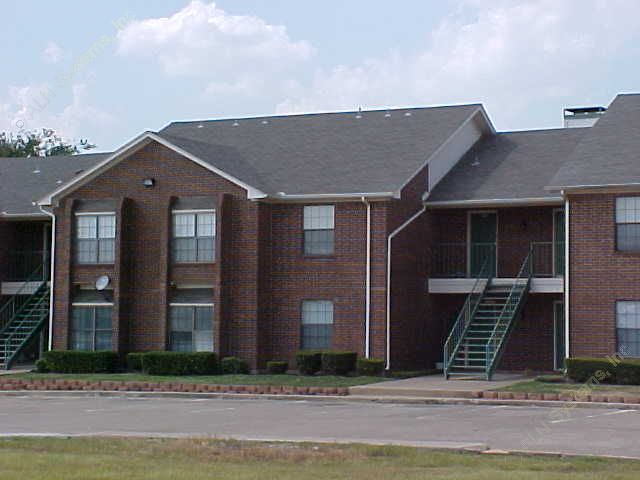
(308, 362)
(370, 366)
(180, 363)
(277, 367)
(134, 361)
(604, 370)
(75, 361)
(338, 363)
(42, 366)
(234, 366)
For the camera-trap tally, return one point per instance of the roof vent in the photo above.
(235, 123)
(200, 126)
(388, 114)
(407, 114)
(265, 122)
(78, 172)
(59, 182)
(579, 117)
(37, 170)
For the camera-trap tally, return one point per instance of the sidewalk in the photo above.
(435, 386)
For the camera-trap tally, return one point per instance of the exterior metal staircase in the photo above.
(22, 317)
(480, 333)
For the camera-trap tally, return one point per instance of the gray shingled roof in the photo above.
(25, 180)
(332, 153)
(609, 154)
(513, 165)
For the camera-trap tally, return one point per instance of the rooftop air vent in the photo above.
(579, 117)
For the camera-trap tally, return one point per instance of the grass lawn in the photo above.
(133, 459)
(537, 386)
(288, 380)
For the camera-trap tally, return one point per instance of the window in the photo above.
(317, 324)
(319, 230)
(95, 238)
(628, 323)
(194, 235)
(628, 224)
(91, 327)
(191, 328)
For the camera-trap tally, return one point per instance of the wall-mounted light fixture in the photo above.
(149, 182)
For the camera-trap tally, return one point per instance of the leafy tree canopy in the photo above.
(42, 143)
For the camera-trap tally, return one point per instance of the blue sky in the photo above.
(109, 70)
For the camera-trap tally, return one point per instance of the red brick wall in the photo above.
(599, 275)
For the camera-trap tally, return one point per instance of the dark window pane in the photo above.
(204, 318)
(103, 340)
(316, 336)
(82, 318)
(318, 242)
(181, 319)
(81, 340)
(628, 237)
(106, 250)
(103, 318)
(206, 249)
(184, 250)
(180, 342)
(86, 251)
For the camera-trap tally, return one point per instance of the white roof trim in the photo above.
(479, 110)
(132, 146)
(491, 202)
(598, 186)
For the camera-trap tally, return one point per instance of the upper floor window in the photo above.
(628, 328)
(319, 229)
(317, 324)
(194, 234)
(91, 327)
(628, 224)
(95, 237)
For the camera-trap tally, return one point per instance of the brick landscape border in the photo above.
(11, 384)
(563, 397)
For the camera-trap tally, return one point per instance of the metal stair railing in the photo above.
(11, 308)
(461, 325)
(509, 312)
(43, 300)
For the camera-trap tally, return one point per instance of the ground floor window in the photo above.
(91, 327)
(628, 323)
(317, 324)
(191, 327)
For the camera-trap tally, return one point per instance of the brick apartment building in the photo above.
(421, 236)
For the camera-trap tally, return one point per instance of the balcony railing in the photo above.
(21, 264)
(463, 260)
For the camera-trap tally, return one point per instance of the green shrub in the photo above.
(134, 361)
(42, 366)
(308, 362)
(180, 363)
(234, 366)
(338, 363)
(370, 366)
(628, 372)
(277, 368)
(74, 361)
(602, 370)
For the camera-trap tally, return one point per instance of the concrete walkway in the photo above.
(436, 386)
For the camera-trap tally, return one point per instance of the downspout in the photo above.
(389, 239)
(367, 294)
(51, 272)
(566, 276)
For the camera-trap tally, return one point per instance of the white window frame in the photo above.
(195, 236)
(625, 221)
(195, 305)
(97, 239)
(307, 226)
(637, 314)
(303, 323)
(94, 330)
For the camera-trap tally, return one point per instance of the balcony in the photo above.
(454, 266)
(20, 268)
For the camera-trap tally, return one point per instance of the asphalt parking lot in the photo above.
(572, 431)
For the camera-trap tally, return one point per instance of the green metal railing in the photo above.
(510, 311)
(465, 316)
(21, 297)
(547, 259)
(449, 260)
(38, 311)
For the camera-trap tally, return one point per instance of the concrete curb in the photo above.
(332, 398)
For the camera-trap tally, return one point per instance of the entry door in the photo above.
(482, 246)
(559, 342)
(558, 243)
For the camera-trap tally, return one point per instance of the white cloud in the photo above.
(507, 54)
(232, 53)
(29, 107)
(52, 53)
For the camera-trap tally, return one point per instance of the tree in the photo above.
(44, 143)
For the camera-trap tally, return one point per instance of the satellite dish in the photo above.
(102, 282)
